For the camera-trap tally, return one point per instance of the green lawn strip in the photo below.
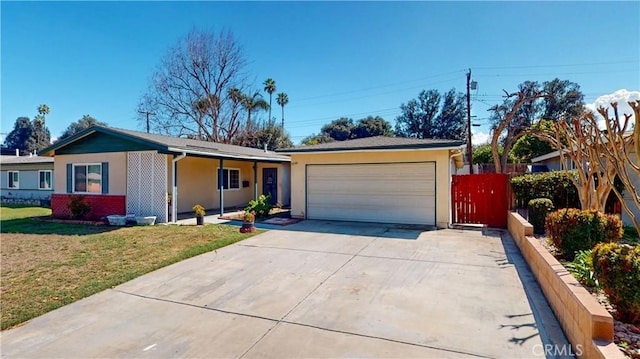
(48, 265)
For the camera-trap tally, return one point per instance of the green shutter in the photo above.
(105, 177)
(69, 178)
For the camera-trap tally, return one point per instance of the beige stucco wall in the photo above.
(117, 170)
(197, 183)
(440, 157)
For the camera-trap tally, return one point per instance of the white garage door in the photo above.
(389, 192)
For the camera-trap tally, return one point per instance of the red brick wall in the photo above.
(101, 205)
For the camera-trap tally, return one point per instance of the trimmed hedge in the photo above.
(556, 186)
(538, 210)
(572, 229)
(617, 267)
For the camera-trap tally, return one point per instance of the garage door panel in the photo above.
(393, 192)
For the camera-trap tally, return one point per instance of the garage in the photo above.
(380, 192)
(375, 179)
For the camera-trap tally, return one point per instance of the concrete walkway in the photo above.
(314, 289)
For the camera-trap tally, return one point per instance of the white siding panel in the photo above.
(389, 192)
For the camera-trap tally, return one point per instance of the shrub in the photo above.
(198, 210)
(262, 206)
(556, 186)
(617, 267)
(582, 268)
(78, 208)
(538, 210)
(573, 229)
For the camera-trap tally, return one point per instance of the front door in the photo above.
(270, 183)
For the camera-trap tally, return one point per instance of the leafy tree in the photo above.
(269, 134)
(339, 129)
(82, 124)
(425, 118)
(189, 90)
(19, 136)
(529, 146)
(316, 139)
(372, 126)
(270, 88)
(483, 154)
(565, 100)
(40, 136)
(253, 103)
(451, 123)
(282, 100)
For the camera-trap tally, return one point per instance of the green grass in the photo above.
(48, 265)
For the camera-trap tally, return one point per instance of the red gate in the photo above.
(480, 199)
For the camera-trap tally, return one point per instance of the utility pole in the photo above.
(151, 113)
(469, 148)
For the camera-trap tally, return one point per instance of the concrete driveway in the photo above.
(314, 289)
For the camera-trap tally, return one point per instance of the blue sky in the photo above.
(333, 59)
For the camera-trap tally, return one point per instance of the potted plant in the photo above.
(198, 210)
(248, 221)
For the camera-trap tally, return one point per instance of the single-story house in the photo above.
(26, 178)
(553, 163)
(121, 171)
(376, 179)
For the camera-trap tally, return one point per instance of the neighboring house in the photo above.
(26, 178)
(121, 171)
(553, 163)
(376, 179)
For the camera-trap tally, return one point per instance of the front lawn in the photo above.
(48, 265)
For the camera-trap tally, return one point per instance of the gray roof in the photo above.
(24, 159)
(376, 143)
(176, 145)
(204, 146)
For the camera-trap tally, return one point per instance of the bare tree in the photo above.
(508, 118)
(190, 91)
(579, 142)
(621, 149)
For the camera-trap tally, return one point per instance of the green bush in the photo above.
(617, 267)
(556, 186)
(78, 208)
(582, 268)
(573, 229)
(538, 210)
(262, 206)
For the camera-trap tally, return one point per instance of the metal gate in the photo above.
(480, 199)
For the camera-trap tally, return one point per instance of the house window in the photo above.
(87, 178)
(230, 178)
(44, 179)
(14, 179)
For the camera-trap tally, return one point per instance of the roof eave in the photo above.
(434, 147)
(178, 150)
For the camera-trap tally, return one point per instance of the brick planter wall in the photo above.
(101, 205)
(587, 325)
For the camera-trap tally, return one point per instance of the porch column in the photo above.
(255, 180)
(174, 192)
(221, 186)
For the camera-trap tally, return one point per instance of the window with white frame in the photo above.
(87, 178)
(44, 179)
(14, 179)
(230, 178)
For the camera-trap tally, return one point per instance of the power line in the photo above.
(565, 65)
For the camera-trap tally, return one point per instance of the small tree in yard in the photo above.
(616, 145)
(579, 140)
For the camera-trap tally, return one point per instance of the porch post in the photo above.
(174, 192)
(221, 186)
(255, 180)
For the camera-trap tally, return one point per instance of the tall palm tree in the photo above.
(282, 100)
(253, 103)
(270, 87)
